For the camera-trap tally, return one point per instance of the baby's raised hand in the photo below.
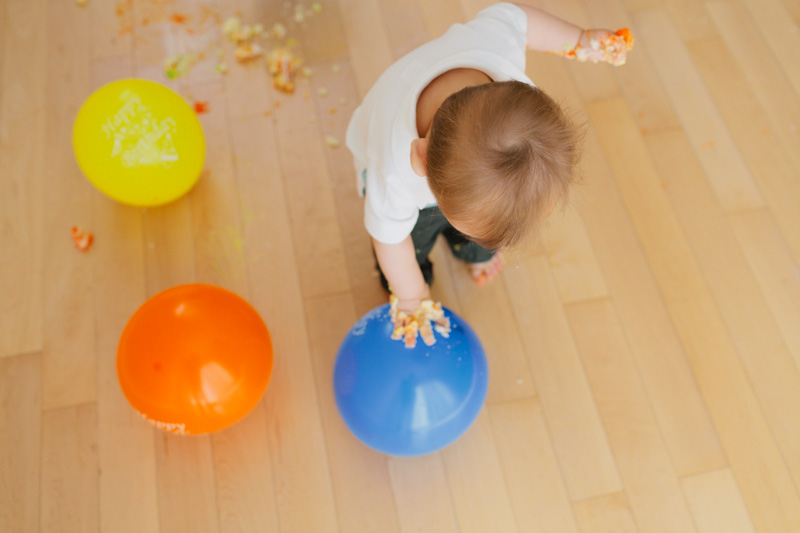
(601, 45)
(422, 322)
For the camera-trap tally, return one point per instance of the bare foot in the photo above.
(487, 271)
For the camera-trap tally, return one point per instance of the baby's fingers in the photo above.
(411, 333)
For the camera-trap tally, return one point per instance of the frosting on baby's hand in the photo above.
(601, 45)
(422, 322)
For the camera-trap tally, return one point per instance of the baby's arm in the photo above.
(399, 264)
(413, 312)
(548, 33)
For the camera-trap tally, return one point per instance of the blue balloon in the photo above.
(409, 401)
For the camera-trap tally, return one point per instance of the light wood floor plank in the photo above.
(185, 481)
(536, 488)
(69, 469)
(364, 502)
(334, 94)
(215, 209)
(243, 503)
(645, 467)
(638, 78)
(245, 84)
(765, 76)
(688, 430)
(315, 228)
(424, 502)
(716, 502)
(605, 514)
(739, 297)
(571, 258)
(126, 449)
(734, 406)
(404, 26)
(780, 31)
(69, 367)
(186, 491)
(794, 8)
(296, 446)
(480, 494)
(439, 16)
(245, 490)
(692, 20)
(724, 166)
(169, 246)
(110, 30)
(747, 121)
(23, 99)
(488, 310)
(367, 41)
(579, 439)
(775, 270)
(337, 79)
(20, 442)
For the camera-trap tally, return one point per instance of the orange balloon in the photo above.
(194, 359)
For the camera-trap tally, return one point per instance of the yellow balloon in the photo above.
(139, 142)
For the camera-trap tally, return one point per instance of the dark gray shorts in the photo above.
(430, 224)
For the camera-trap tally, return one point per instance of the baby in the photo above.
(455, 140)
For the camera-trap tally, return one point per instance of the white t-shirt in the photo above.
(384, 125)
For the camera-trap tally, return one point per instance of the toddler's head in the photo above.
(500, 157)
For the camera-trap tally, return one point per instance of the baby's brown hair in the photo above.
(501, 154)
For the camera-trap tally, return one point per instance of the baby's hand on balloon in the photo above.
(602, 45)
(422, 322)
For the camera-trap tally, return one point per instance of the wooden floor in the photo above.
(644, 353)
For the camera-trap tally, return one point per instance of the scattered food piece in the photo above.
(336, 68)
(282, 63)
(332, 111)
(332, 141)
(236, 32)
(247, 51)
(278, 30)
(231, 27)
(82, 239)
(222, 68)
(306, 71)
(81, 3)
(201, 107)
(322, 91)
(177, 18)
(316, 7)
(178, 65)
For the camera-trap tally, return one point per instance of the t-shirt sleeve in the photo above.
(389, 212)
(506, 25)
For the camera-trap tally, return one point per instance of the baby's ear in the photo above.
(419, 157)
